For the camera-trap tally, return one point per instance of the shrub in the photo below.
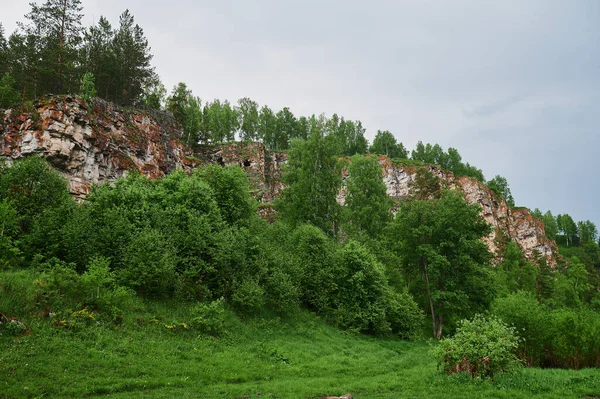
(282, 293)
(249, 297)
(60, 290)
(522, 311)
(404, 315)
(209, 317)
(552, 338)
(149, 265)
(58, 287)
(481, 347)
(573, 338)
(359, 297)
(88, 87)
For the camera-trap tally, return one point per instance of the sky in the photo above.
(514, 85)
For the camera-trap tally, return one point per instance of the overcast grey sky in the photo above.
(513, 85)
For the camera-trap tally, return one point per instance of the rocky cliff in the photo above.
(91, 145)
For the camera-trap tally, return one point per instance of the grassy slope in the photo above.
(300, 358)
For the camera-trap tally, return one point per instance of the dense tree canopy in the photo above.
(499, 185)
(439, 242)
(384, 143)
(368, 207)
(313, 178)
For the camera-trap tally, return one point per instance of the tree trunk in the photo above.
(426, 270)
(61, 36)
(438, 332)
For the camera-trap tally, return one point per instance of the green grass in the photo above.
(257, 358)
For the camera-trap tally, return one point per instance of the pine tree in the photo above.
(3, 52)
(99, 57)
(57, 23)
(133, 57)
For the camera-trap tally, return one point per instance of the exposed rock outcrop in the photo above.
(102, 143)
(92, 145)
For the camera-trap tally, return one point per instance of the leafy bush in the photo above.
(573, 338)
(8, 95)
(88, 87)
(282, 294)
(552, 337)
(522, 311)
(249, 297)
(359, 299)
(148, 265)
(209, 317)
(231, 191)
(60, 290)
(481, 348)
(404, 315)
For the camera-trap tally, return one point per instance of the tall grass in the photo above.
(151, 354)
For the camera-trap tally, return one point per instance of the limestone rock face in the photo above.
(515, 224)
(94, 145)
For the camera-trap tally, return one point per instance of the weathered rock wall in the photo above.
(516, 224)
(93, 145)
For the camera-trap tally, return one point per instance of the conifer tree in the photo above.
(57, 23)
(133, 57)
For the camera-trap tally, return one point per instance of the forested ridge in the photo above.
(407, 270)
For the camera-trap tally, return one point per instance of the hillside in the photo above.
(90, 146)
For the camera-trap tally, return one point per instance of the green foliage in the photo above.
(499, 185)
(248, 297)
(368, 207)
(33, 188)
(9, 228)
(148, 264)
(573, 338)
(357, 300)
(567, 228)
(515, 273)
(450, 161)
(313, 178)
(426, 185)
(442, 255)
(482, 347)
(384, 143)
(282, 292)
(404, 316)
(187, 110)
(316, 265)
(209, 317)
(231, 191)
(249, 119)
(550, 225)
(571, 287)
(56, 27)
(74, 298)
(8, 95)
(522, 311)
(587, 232)
(154, 95)
(552, 337)
(88, 87)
